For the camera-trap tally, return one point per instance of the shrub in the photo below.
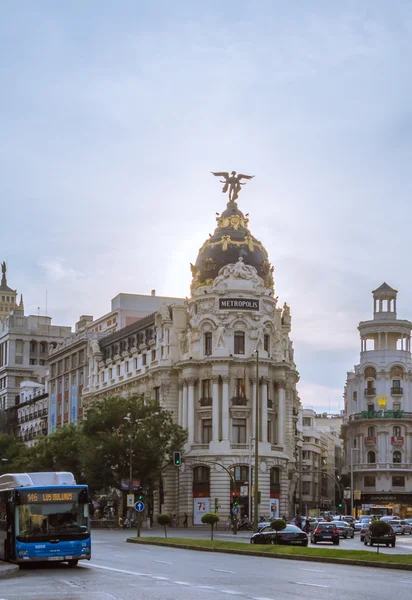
(210, 519)
(164, 520)
(379, 529)
(278, 525)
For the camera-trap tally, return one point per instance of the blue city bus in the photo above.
(44, 517)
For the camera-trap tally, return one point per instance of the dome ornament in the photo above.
(232, 183)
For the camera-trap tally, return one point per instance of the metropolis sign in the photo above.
(238, 304)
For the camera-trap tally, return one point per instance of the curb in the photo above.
(8, 570)
(321, 559)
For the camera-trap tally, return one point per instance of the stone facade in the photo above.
(209, 361)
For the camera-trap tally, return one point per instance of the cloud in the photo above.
(57, 271)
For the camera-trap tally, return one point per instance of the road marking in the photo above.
(163, 562)
(69, 583)
(182, 583)
(231, 592)
(121, 555)
(205, 587)
(310, 584)
(94, 566)
(313, 570)
(160, 578)
(224, 571)
(262, 598)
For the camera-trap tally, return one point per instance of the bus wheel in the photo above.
(73, 563)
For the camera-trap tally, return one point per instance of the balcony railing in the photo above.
(370, 392)
(239, 401)
(397, 440)
(206, 401)
(381, 414)
(370, 441)
(397, 391)
(382, 466)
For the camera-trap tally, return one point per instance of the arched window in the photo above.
(396, 431)
(274, 479)
(201, 479)
(371, 457)
(397, 457)
(239, 342)
(371, 432)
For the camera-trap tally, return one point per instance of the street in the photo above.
(121, 571)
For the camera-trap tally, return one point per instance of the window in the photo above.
(306, 421)
(207, 343)
(355, 396)
(239, 342)
(269, 433)
(42, 362)
(81, 356)
(239, 431)
(266, 342)
(206, 388)
(371, 457)
(42, 347)
(32, 346)
(370, 384)
(66, 364)
(81, 378)
(60, 386)
(135, 364)
(371, 432)
(201, 474)
(156, 392)
(396, 384)
(274, 476)
(59, 409)
(369, 481)
(371, 408)
(398, 481)
(110, 373)
(241, 473)
(118, 370)
(396, 406)
(307, 439)
(396, 431)
(206, 431)
(306, 488)
(102, 377)
(66, 384)
(153, 354)
(59, 366)
(397, 457)
(144, 359)
(240, 388)
(74, 361)
(33, 361)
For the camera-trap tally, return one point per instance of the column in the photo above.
(225, 408)
(253, 419)
(180, 405)
(215, 409)
(191, 409)
(386, 340)
(281, 412)
(264, 412)
(184, 405)
(379, 341)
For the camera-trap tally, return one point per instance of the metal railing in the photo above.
(370, 392)
(396, 391)
(206, 401)
(239, 401)
(381, 414)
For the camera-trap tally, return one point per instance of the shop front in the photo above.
(399, 504)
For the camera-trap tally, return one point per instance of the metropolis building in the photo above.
(378, 410)
(199, 359)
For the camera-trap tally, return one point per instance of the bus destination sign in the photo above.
(238, 304)
(40, 497)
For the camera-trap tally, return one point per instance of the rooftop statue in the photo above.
(232, 183)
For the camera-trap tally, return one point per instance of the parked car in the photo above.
(345, 530)
(291, 535)
(409, 521)
(388, 539)
(364, 529)
(406, 527)
(325, 532)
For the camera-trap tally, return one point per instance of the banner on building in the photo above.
(274, 508)
(238, 304)
(201, 506)
(75, 403)
(52, 413)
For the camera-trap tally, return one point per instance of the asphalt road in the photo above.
(121, 571)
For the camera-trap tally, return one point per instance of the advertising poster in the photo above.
(274, 508)
(75, 403)
(52, 413)
(200, 507)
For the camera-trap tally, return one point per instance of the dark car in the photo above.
(345, 530)
(388, 539)
(291, 535)
(325, 532)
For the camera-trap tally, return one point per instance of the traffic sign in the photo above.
(235, 510)
(130, 500)
(347, 494)
(139, 506)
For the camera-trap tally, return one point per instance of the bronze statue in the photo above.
(3, 268)
(232, 183)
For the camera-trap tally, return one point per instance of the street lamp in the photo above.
(352, 450)
(129, 420)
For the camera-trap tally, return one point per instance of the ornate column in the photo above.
(281, 411)
(191, 408)
(180, 405)
(184, 405)
(253, 419)
(264, 411)
(215, 409)
(225, 408)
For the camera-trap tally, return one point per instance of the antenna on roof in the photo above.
(46, 303)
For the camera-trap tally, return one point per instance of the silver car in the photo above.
(406, 527)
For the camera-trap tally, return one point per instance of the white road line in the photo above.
(69, 583)
(262, 598)
(205, 587)
(231, 592)
(181, 583)
(121, 555)
(310, 584)
(160, 578)
(163, 562)
(224, 571)
(117, 570)
(313, 570)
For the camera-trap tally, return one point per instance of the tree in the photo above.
(379, 529)
(14, 453)
(210, 519)
(278, 525)
(163, 520)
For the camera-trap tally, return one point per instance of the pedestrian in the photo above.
(306, 527)
(185, 520)
(298, 521)
(174, 520)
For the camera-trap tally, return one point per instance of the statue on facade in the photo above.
(260, 339)
(165, 312)
(183, 342)
(94, 347)
(232, 183)
(220, 340)
(189, 339)
(3, 268)
(286, 315)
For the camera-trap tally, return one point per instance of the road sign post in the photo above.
(139, 508)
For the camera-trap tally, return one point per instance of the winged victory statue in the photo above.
(232, 183)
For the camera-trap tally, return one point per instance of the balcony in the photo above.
(396, 391)
(239, 401)
(370, 392)
(397, 441)
(206, 401)
(382, 467)
(381, 414)
(270, 403)
(370, 441)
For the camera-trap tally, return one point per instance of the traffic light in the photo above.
(235, 500)
(216, 505)
(340, 505)
(177, 459)
(140, 495)
(235, 509)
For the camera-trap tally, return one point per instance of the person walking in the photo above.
(185, 520)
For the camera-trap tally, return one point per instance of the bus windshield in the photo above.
(42, 521)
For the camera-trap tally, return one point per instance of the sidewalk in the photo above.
(8, 570)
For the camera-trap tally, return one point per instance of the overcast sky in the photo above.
(113, 114)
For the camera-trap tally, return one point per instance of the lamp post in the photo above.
(352, 450)
(132, 423)
(250, 478)
(256, 473)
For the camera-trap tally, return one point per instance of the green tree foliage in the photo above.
(13, 454)
(163, 520)
(379, 529)
(278, 525)
(210, 519)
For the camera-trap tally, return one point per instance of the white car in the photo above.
(406, 527)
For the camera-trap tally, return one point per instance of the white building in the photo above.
(199, 360)
(378, 409)
(30, 412)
